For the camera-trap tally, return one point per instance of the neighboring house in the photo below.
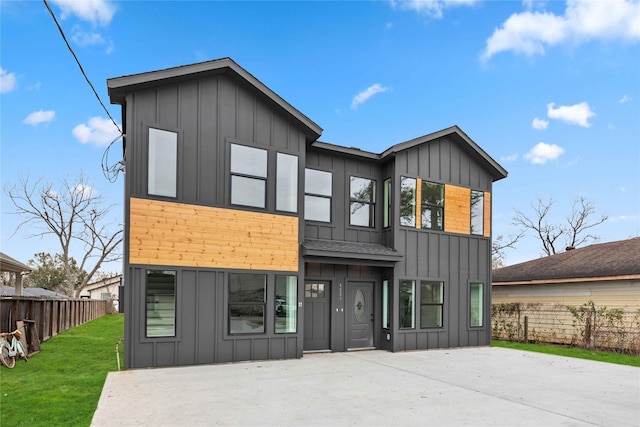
(607, 274)
(106, 288)
(16, 270)
(246, 238)
(9, 291)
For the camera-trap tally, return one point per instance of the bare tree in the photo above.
(76, 216)
(576, 230)
(499, 245)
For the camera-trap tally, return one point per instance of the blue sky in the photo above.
(551, 90)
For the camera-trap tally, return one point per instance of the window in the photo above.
(247, 300)
(476, 304)
(161, 303)
(317, 198)
(105, 295)
(477, 212)
(286, 304)
(431, 304)
(432, 205)
(407, 304)
(287, 183)
(362, 201)
(163, 162)
(386, 218)
(408, 201)
(386, 308)
(248, 176)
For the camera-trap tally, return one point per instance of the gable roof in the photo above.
(119, 86)
(604, 261)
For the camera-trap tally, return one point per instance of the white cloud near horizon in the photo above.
(97, 131)
(37, 117)
(542, 152)
(97, 12)
(625, 98)
(531, 32)
(366, 94)
(430, 8)
(539, 124)
(8, 81)
(578, 114)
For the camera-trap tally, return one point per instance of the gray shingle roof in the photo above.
(355, 250)
(620, 258)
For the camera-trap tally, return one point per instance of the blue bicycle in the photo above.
(10, 349)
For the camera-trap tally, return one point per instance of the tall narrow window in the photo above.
(386, 218)
(317, 197)
(477, 212)
(163, 162)
(247, 300)
(362, 201)
(408, 201)
(287, 183)
(432, 205)
(161, 303)
(431, 304)
(248, 176)
(386, 308)
(407, 304)
(286, 304)
(476, 304)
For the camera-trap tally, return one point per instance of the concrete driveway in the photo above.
(469, 386)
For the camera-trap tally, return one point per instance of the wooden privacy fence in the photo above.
(585, 326)
(49, 317)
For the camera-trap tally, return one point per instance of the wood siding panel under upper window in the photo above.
(167, 233)
(457, 209)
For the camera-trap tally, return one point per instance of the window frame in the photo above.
(412, 304)
(290, 306)
(262, 304)
(314, 195)
(370, 205)
(432, 304)
(290, 188)
(480, 315)
(248, 176)
(479, 205)
(386, 304)
(145, 312)
(176, 156)
(426, 205)
(412, 202)
(387, 200)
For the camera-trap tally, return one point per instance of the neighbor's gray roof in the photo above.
(604, 260)
(349, 250)
(12, 265)
(119, 86)
(32, 292)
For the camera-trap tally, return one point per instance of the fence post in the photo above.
(526, 329)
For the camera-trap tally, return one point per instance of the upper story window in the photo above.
(287, 183)
(432, 205)
(163, 162)
(477, 212)
(248, 176)
(317, 195)
(362, 201)
(408, 201)
(386, 217)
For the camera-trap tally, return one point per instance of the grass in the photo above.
(579, 353)
(61, 385)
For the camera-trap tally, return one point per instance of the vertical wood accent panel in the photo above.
(457, 209)
(418, 203)
(168, 233)
(487, 214)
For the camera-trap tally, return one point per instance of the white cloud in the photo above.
(541, 153)
(363, 96)
(430, 8)
(531, 32)
(578, 114)
(97, 131)
(86, 191)
(626, 98)
(37, 117)
(97, 12)
(509, 158)
(86, 39)
(539, 124)
(8, 81)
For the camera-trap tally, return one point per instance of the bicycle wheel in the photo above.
(8, 361)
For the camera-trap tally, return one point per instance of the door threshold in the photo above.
(361, 349)
(316, 351)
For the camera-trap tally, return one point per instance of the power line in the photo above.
(80, 65)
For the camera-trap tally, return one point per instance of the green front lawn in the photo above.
(61, 385)
(600, 356)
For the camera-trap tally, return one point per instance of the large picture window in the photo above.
(248, 176)
(431, 304)
(407, 304)
(247, 301)
(477, 212)
(286, 304)
(476, 303)
(287, 183)
(408, 201)
(432, 205)
(163, 162)
(317, 197)
(362, 201)
(160, 298)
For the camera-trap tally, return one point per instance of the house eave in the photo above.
(569, 280)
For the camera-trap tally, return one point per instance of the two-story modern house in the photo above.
(247, 238)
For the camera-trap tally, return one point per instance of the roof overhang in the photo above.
(11, 265)
(351, 253)
(569, 280)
